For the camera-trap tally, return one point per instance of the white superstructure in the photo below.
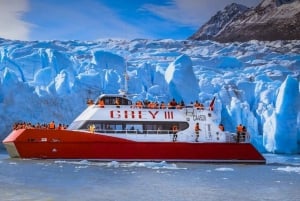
(149, 124)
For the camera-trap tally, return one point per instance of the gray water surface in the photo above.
(49, 180)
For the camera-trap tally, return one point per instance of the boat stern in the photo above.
(11, 149)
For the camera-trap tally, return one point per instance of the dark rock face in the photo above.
(270, 20)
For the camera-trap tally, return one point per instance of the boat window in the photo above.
(111, 100)
(125, 101)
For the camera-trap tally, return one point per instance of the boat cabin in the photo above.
(118, 115)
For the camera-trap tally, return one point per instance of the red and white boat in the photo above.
(132, 133)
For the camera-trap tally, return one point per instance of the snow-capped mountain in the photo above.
(219, 21)
(255, 83)
(270, 20)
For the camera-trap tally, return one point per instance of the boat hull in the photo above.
(64, 144)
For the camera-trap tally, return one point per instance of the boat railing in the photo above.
(187, 108)
(233, 137)
(229, 136)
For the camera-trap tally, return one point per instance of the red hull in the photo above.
(55, 144)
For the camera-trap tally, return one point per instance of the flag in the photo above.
(212, 104)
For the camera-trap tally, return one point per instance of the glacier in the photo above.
(255, 83)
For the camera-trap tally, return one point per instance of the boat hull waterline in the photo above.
(66, 144)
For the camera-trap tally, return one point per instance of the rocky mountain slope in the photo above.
(219, 21)
(270, 20)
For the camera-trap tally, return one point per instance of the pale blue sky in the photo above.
(98, 19)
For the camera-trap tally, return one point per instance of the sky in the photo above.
(102, 19)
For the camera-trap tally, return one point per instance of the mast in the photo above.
(125, 89)
(126, 78)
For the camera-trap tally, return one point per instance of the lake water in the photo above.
(51, 180)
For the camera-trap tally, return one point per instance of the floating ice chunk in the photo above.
(113, 164)
(288, 169)
(225, 169)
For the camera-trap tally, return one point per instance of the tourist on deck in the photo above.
(221, 127)
(92, 128)
(178, 106)
(239, 130)
(152, 105)
(51, 125)
(174, 131)
(172, 104)
(197, 105)
(197, 130)
(162, 105)
(60, 127)
(139, 104)
(117, 102)
(201, 107)
(157, 105)
(90, 102)
(146, 102)
(101, 103)
(38, 126)
(182, 104)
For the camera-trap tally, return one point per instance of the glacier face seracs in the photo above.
(255, 83)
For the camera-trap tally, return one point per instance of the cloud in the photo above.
(95, 19)
(190, 12)
(11, 24)
(82, 21)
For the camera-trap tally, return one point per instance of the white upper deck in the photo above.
(148, 123)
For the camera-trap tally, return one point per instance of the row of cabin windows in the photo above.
(136, 127)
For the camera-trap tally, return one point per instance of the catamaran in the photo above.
(113, 128)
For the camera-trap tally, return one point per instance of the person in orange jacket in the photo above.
(101, 103)
(174, 131)
(52, 125)
(197, 130)
(239, 130)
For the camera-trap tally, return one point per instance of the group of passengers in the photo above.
(28, 125)
(173, 104)
(162, 105)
